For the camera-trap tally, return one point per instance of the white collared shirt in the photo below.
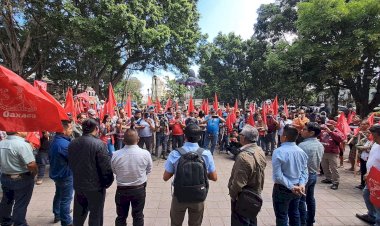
(131, 165)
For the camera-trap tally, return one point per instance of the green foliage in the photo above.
(129, 86)
(175, 90)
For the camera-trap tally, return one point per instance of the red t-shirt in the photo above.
(176, 127)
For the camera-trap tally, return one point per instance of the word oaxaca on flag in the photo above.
(23, 108)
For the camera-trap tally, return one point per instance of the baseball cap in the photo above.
(91, 112)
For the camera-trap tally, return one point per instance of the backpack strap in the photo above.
(181, 151)
(200, 151)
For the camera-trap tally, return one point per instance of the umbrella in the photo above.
(23, 107)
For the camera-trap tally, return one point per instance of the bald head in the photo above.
(131, 137)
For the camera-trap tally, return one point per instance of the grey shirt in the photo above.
(314, 150)
(131, 165)
(15, 155)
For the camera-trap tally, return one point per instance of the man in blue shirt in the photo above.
(62, 175)
(290, 175)
(314, 150)
(212, 130)
(177, 211)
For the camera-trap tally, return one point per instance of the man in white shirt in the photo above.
(131, 165)
(373, 215)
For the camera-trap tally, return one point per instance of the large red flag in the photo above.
(41, 84)
(251, 120)
(286, 110)
(275, 106)
(350, 117)
(168, 104)
(158, 105)
(111, 102)
(61, 111)
(70, 104)
(191, 105)
(342, 125)
(229, 123)
(216, 104)
(207, 107)
(34, 138)
(23, 107)
(128, 106)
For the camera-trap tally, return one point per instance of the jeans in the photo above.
(285, 205)
(62, 200)
(89, 201)
(363, 171)
(42, 159)
(213, 137)
(16, 196)
(373, 211)
(270, 141)
(177, 141)
(110, 147)
(161, 141)
(125, 198)
(148, 141)
(239, 220)
(224, 143)
(307, 203)
(119, 144)
(263, 143)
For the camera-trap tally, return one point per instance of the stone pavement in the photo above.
(333, 207)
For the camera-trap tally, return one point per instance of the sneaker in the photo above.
(334, 186)
(361, 187)
(366, 218)
(326, 181)
(39, 182)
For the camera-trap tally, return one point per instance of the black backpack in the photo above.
(191, 182)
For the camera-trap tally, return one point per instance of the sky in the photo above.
(224, 16)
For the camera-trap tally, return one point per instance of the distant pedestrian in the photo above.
(42, 157)
(18, 168)
(91, 166)
(131, 165)
(190, 190)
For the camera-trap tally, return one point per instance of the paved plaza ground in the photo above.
(333, 207)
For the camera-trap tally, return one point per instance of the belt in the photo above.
(131, 187)
(15, 176)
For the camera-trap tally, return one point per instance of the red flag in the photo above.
(342, 125)
(128, 106)
(207, 107)
(350, 117)
(158, 105)
(203, 106)
(84, 96)
(275, 106)
(251, 108)
(251, 120)
(168, 104)
(34, 138)
(70, 104)
(149, 101)
(216, 104)
(229, 123)
(111, 102)
(236, 106)
(191, 105)
(41, 84)
(81, 106)
(264, 112)
(23, 107)
(286, 110)
(220, 112)
(371, 119)
(61, 111)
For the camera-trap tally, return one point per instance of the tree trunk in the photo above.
(335, 93)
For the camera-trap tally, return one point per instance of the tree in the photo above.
(129, 86)
(175, 90)
(341, 39)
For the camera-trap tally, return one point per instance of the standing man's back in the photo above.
(18, 168)
(131, 165)
(91, 167)
(183, 193)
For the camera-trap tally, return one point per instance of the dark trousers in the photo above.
(16, 197)
(363, 171)
(178, 211)
(89, 201)
(161, 141)
(148, 141)
(307, 203)
(271, 140)
(177, 141)
(62, 200)
(125, 198)
(239, 220)
(285, 205)
(42, 159)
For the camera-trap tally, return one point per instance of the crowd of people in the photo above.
(91, 152)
